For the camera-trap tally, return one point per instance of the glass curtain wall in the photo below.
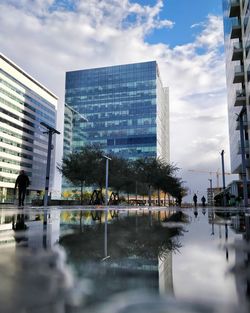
(120, 103)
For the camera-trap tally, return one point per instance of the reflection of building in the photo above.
(29, 231)
(28, 268)
(166, 274)
(53, 228)
(24, 103)
(7, 238)
(153, 274)
(40, 237)
(242, 261)
(126, 107)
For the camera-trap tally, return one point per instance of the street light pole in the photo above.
(211, 192)
(107, 178)
(106, 207)
(50, 131)
(223, 177)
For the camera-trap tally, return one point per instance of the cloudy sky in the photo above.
(48, 37)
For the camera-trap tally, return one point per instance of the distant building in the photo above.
(211, 193)
(237, 47)
(24, 103)
(127, 109)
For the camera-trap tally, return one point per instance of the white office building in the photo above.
(24, 104)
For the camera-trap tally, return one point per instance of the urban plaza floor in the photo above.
(124, 259)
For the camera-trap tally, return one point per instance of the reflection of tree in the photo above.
(74, 216)
(129, 236)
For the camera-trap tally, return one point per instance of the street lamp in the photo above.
(223, 177)
(106, 208)
(107, 178)
(211, 192)
(50, 131)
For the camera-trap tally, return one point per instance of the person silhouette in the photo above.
(22, 182)
(195, 200)
(203, 200)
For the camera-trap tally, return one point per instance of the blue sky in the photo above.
(184, 13)
(46, 36)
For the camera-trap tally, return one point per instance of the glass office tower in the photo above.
(126, 107)
(237, 46)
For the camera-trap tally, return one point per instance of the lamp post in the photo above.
(211, 191)
(106, 207)
(223, 177)
(50, 131)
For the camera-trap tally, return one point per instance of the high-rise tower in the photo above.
(127, 109)
(237, 47)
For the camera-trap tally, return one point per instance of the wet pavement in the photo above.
(140, 260)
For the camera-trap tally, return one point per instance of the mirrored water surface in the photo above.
(124, 260)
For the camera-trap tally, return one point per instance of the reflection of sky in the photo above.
(200, 269)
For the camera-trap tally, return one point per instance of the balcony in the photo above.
(238, 74)
(236, 29)
(237, 54)
(240, 98)
(234, 8)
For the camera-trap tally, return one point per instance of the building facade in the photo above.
(24, 104)
(126, 107)
(237, 46)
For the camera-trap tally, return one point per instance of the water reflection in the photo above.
(195, 212)
(199, 255)
(139, 248)
(241, 269)
(31, 231)
(32, 279)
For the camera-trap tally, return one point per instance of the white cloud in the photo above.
(46, 42)
(212, 35)
(197, 25)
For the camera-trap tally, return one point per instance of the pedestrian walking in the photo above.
(195, 200)
(203, 201)
(22, 182)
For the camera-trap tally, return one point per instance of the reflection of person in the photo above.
(203, 200)
(195, 200)
(22, 182)
(19, 223)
